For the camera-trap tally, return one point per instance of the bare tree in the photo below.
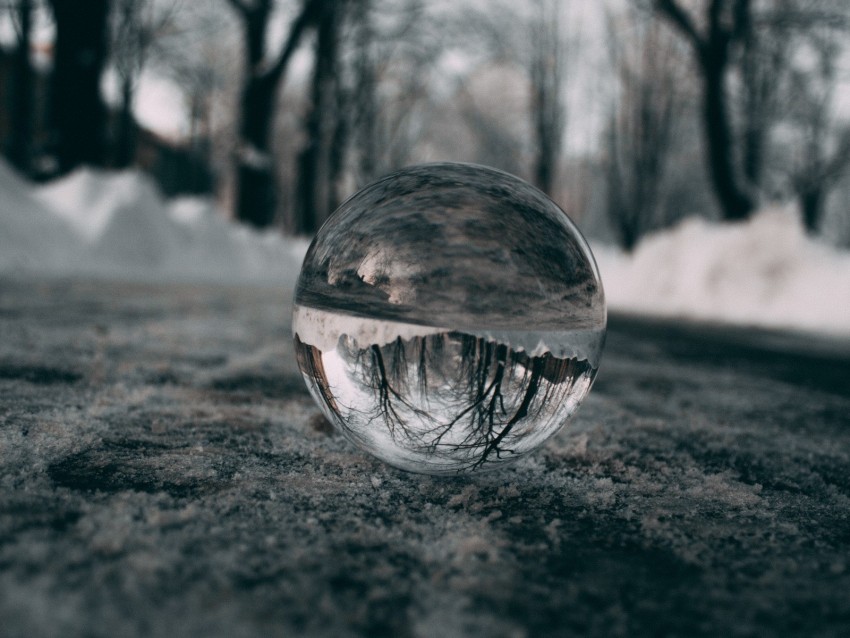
(535, 37)
(484, 400)
(21, 107)
(371, 63)
(546, 73)
(500, 128)
(726, 24)
(640, 133)
(255, 190)
(320, 161)
(364, 95)
(77, 112)
(136, 26)
(762, 73)
(394, 47)
(196, 51)
(413, 44)
(822, 154)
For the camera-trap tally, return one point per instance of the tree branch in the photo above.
(837, 164)
(713, 15)
(679, 19)
(310, 13)
(742, 21)
(239, 6)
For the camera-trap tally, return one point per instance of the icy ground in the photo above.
(164, 472)
(765, 272)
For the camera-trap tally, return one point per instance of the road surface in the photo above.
(163, 471)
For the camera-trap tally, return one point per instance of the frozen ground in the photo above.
(164, 472)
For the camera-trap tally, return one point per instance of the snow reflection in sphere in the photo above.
(448, 318)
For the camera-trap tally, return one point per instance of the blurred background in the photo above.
(633, 115)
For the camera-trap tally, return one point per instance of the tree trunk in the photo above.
(126, 143)
(78, 115)
(619, 211)
(20, 142)
(547, 106)
(256, 192)
(365, 97)
(754, 145)
(314, 163)
(639, 136)
(734, 202)
(338, 147)
(256, 197)
(760, 65)
(811, 203)
(547, 145)
(712, 54)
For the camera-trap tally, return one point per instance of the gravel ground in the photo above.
(163, 471)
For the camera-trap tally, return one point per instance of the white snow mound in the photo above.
(764, 272)
(131, 232)
(88, 198)
(32, 238)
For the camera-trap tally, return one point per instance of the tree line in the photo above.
(704, 106)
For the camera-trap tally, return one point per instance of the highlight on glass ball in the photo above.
(449, 318)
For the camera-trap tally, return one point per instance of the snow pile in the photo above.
(213, 245)
(764, 272)
(128, 231)
(32, 238)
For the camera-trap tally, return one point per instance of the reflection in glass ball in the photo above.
(448, 318)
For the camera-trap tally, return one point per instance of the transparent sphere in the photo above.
(448, 318)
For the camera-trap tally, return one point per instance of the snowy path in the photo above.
(164, 472)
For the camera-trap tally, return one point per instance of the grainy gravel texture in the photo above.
(163, 471)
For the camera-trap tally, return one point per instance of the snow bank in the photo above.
(129, 231)
(212, 244)
(765, 272)
(32, 238)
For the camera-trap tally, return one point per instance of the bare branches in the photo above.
(138, 24)
(256, 199)
(680, 19)
(239, 6)
(641, 130)
(838, 164)
(308, 16)
(481, 412)
(803, 18)
(20, 149)
(255, 17)
(712, 56)
(722, 28)
(742, 19)
(547, 105)
(822, 154)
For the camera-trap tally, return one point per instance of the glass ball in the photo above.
(449, 318)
